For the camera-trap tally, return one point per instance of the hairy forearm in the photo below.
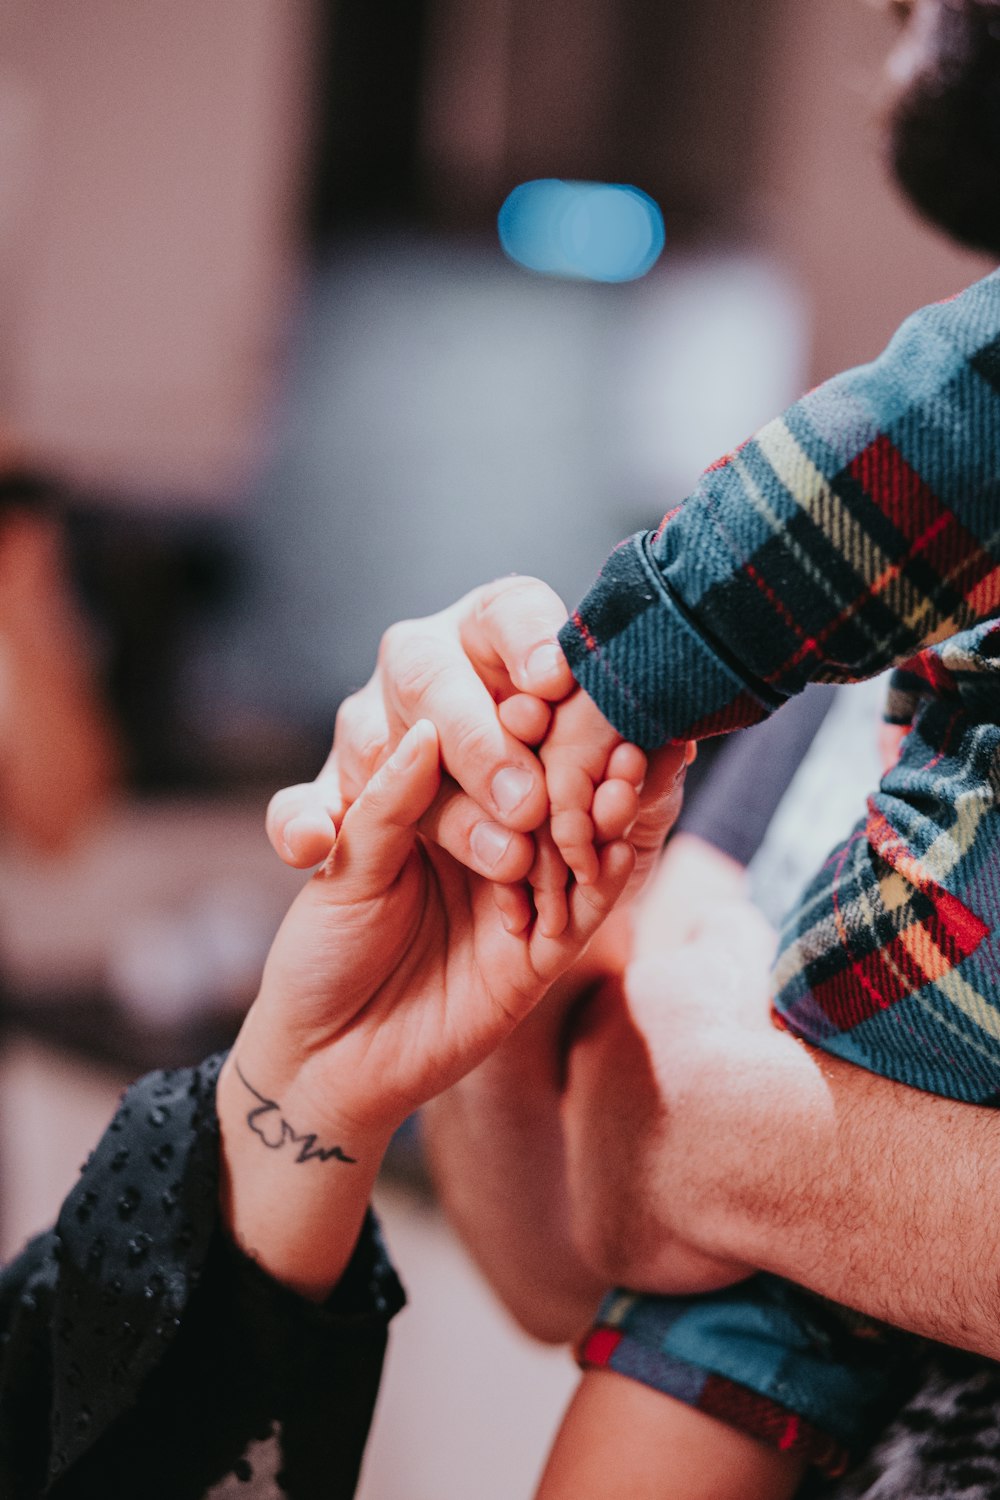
(743, 1145)
(874, 1194)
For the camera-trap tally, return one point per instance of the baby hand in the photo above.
(597, 778)
(587, 764)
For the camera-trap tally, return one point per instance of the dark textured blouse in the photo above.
(141, 1354)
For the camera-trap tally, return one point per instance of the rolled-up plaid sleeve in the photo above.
(845, 536)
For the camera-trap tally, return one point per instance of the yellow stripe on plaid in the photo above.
(779, 448)
(883, 578)
(971, 1003)
(895, 889)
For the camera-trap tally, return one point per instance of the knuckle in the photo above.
(572, 829)
(395, 642)
(361, 737)
(568, 784)
(519, 601)
(473, 744)
(413, 664)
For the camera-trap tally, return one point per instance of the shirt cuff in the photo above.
(798, 1372)
(650, 668)
(368, 1293)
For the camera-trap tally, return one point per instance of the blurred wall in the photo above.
(152, 161)
(660, 95)
(826, 205)
(755, 125)
(152, 154)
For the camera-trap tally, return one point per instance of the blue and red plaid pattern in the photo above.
(858, 531)
(798, 1372)
(857, 528)
(891, 958)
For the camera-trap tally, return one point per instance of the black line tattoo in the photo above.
(267, 1121)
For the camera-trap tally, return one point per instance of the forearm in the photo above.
(869, 1192)
(498, 1153)
(293, 1192)
(872, 1193)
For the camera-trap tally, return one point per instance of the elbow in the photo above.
(614, 1245)
(552, 1318)
(636, 1252)
(614, 1229)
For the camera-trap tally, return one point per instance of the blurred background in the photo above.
(267, 383)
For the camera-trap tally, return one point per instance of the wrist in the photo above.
(295, 1176)
(314, 1081)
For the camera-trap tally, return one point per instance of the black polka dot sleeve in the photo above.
(142, 1354)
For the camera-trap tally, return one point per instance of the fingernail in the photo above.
(288, 837)
(545, 660)
(510, 787)
(489, 843)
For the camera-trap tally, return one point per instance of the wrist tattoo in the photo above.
(267, 1122)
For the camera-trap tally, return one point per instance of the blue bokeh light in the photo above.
(587, 231)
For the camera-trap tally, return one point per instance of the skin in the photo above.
(670, 1154)
(521, 1104)
(487, 672)
(624, 1441)
(864, 1190)
(490, 660)
(393, 974)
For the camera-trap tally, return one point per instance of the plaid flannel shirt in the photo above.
(848, 535)
(857, 528)
(858, 531)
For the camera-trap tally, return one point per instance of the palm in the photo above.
(416, 983)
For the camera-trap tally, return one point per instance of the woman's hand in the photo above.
(394, 970)
(392, 975)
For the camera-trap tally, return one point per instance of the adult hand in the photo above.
(392, 975)
(482, 671)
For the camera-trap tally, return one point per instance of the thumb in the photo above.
(379, 830)
(302, 820)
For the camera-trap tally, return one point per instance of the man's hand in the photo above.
(486, 672)
(482, 671)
